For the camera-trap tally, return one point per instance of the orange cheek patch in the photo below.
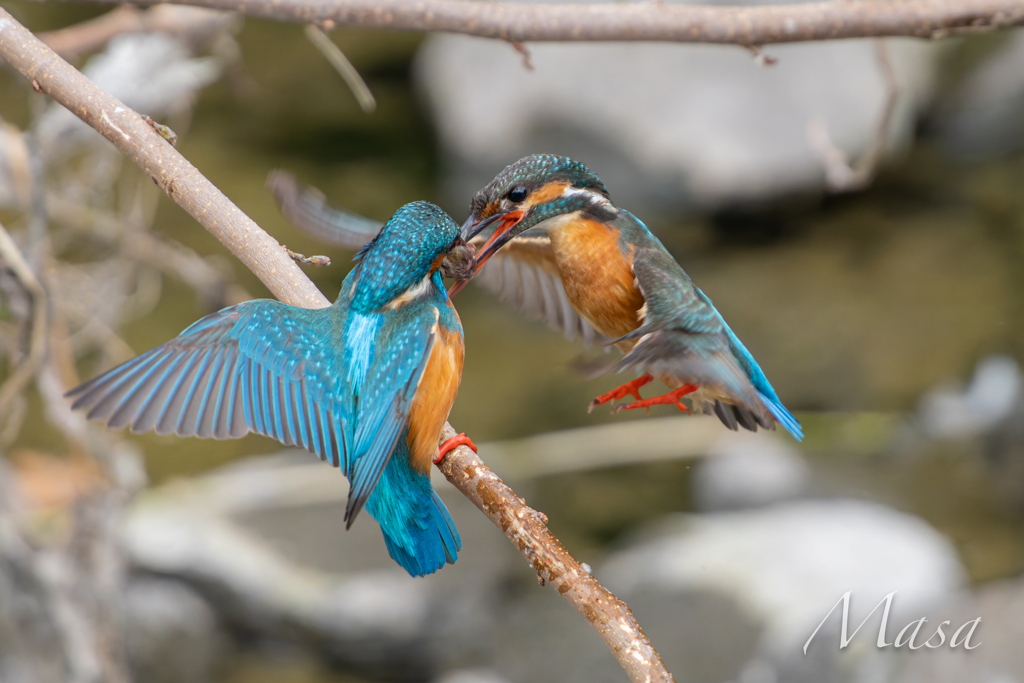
(545, 194)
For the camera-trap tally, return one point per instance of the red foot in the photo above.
(627, 389)
(671, 398)
(453, 443)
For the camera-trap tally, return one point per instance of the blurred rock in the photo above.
(263, 540)
(984, 116)
(785, 567)
(173, 636)
(749, 470)
(999, 659)
(665, 126)
(1004, 451)
(984, 403)
(471, 676)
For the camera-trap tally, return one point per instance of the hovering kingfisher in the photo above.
(365, 384)
(559, 249)
(623, 282)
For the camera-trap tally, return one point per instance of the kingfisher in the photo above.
(365, 384)
(558, 249)
(555, 215)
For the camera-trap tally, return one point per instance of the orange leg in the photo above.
(453, 443)
(627, 389)
(671, 398)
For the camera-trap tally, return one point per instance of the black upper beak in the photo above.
(471, 228)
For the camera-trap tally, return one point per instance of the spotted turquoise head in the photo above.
(410, 248)
(530, 191)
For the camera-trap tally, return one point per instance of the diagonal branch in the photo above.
(608, 615)
(649, 21)
(26, 370)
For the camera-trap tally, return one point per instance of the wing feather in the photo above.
(523, 274)
(306, 209)
(259, 367)
(383, 415)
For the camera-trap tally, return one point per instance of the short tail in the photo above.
(418, 530)
(783, 416)
(423, 550)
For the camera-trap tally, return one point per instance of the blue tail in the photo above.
(760, 382)
(418, 531)
(764, 389)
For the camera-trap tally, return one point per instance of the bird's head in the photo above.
(410, 248)
(530, 191)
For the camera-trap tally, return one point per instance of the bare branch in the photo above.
(527, 530)
(648, 21)
(27, 369)
(840, 174)
(609, 616)
(340, 62)
(169, 170)
(89, 36)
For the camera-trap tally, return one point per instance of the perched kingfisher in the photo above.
(365, 384)
(623, 282)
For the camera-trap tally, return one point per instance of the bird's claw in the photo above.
(628, 389)
(671, 398)
(453, 443)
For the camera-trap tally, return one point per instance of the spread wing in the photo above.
(522, 274)
(306, 209)
(261, 366)
(402, 349)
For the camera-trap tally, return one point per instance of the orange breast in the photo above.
(434, 398)
(597, 276)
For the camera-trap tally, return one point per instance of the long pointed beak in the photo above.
(497, 239)
(470, 229)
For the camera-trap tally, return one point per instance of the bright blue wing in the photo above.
(261, 366)
(401, 350)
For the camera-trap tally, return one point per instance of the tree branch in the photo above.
(647, 21)
(26, 370)
(608, 615)
(88, 36)
(840, 174)
(527, 530)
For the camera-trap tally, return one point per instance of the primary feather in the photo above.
(336, 381)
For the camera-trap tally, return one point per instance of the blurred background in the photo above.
(853, 209)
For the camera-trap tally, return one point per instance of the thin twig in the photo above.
(340, 62)
(165, 131)
(27, 369)
(840, 174)
(524, 52)
(524, 527)
(89, 36)
(314, 260)
(169, 170)
(646, 21)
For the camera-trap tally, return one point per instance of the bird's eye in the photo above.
(518, 194)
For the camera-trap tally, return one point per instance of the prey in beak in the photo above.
(460, 261)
